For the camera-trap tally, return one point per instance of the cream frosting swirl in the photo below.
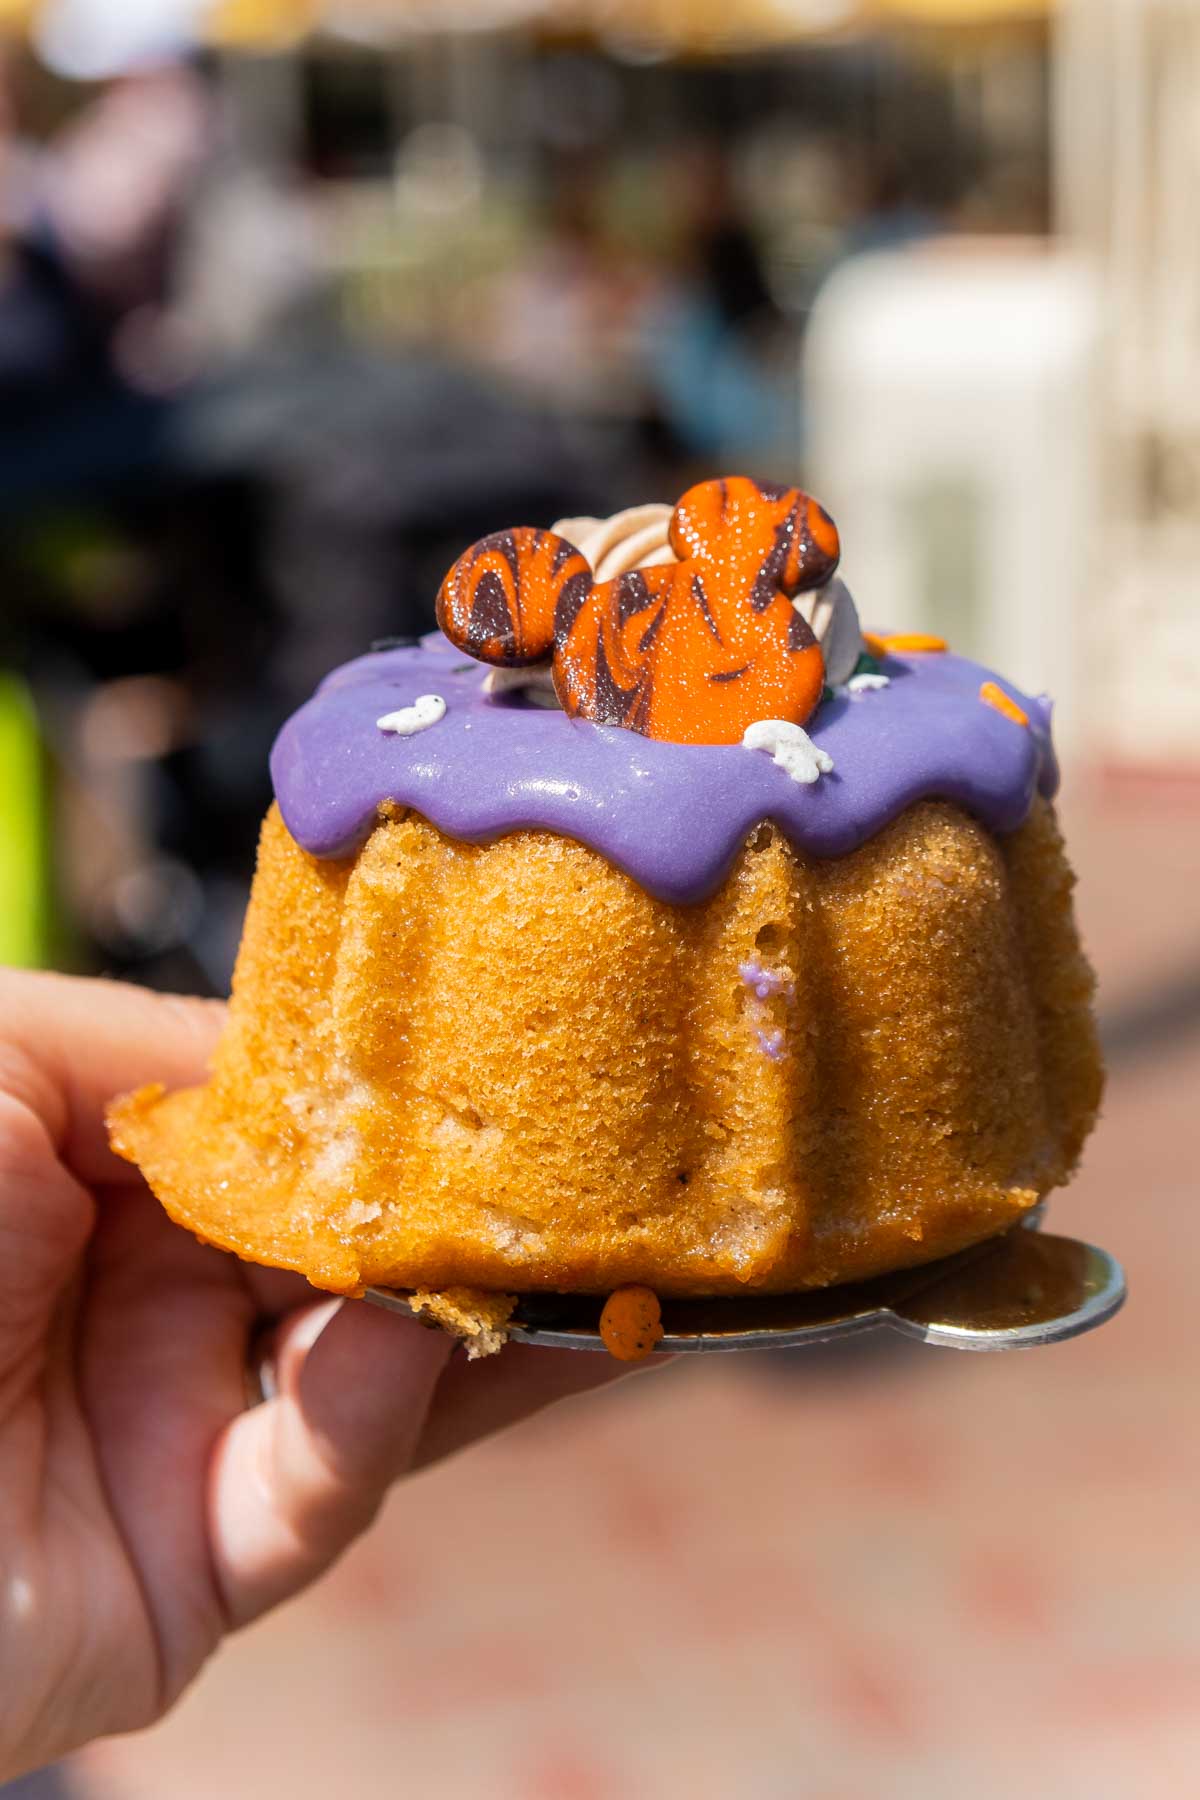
(636, 538)
(831, 612)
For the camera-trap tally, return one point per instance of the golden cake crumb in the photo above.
(479, 1320)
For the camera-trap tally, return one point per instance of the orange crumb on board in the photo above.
(996, 696)
(910, 643)
(631, 1323)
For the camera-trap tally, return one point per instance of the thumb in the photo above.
(296, 1479)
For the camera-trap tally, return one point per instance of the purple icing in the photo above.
(673, 816)
(764, 982)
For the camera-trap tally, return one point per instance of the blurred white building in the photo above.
(1128, 105)
(952, 407)
(1009, 434)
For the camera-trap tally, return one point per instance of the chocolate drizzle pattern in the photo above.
(505, 600)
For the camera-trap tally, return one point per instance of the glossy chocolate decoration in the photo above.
(691, 653)
(501, 600)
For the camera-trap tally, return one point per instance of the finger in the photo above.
(276, 1293)
(68, 1047)
(296, 1479)
(160, 1363)
(287, 1344)
(474, 1400)
(45, 1220)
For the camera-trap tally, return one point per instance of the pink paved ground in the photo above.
(921, 1574)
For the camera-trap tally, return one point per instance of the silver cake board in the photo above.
(1020, 1290)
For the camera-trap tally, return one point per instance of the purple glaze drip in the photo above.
(673, 816)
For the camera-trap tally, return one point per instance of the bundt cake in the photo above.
(533, 998)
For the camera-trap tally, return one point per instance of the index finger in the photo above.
(69, 1046)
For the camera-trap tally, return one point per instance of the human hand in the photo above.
(146, 1508)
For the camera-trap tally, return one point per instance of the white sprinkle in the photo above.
(425, 711)
(867, 684)
(790, 747)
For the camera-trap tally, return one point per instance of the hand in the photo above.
(144, 1510)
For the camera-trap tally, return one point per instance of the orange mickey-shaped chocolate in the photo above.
(777, 539)
(693, 652)
(697, 651)
(499, 601)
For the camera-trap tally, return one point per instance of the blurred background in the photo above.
(297, 297)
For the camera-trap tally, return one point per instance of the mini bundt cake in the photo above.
(533, 997)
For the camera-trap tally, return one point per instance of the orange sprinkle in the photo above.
(874, 645)
(631, 1323)
(910, 643)
(995, 696)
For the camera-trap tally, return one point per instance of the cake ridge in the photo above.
(421, 1087)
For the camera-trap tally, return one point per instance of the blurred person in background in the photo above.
(719, 350)
(890, 201)
(88, 273)
(145, 251)
(195, 458)
(562, 322)
(115, 196)
(129, 567)
(32, 337)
